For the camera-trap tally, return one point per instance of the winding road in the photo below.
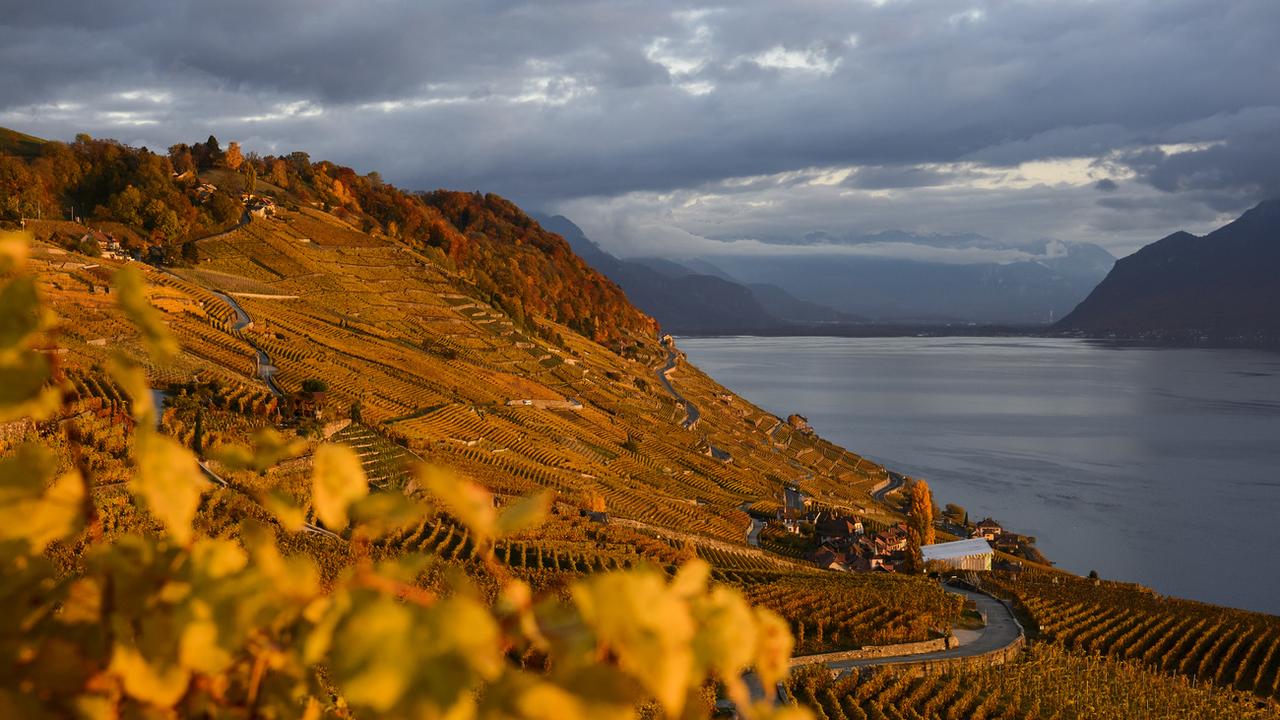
(896, 481)
(690, 410)
(266, 370)
(1001, 631)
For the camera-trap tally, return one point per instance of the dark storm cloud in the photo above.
(553, 101)
(1106, 185)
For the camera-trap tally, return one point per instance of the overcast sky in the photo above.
(670, 128)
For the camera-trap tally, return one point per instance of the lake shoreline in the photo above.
(1103, 451)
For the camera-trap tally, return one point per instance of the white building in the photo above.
(973, 554)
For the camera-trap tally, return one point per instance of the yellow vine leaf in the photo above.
(285, 510)
(23, 389)
(133, 379)
(773, 646)
(471, 504)
(20, 313)
(169, 482)
(336, 481)
(159, 685)
(726, 638)
(14, 249)
(132, 294)
(30, 511)
(523, 514)
(373, 656)
(384, 512)
(647, 626)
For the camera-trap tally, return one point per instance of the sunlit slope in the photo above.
(457, 381)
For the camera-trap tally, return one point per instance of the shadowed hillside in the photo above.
(1222, 287)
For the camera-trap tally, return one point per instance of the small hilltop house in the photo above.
(987, 530)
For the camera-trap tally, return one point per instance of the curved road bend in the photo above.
(753, 532)
(266, 370)
(690, 410)
(1000, 632)
(896, 480)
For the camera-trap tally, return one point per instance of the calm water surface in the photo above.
(1159, 466)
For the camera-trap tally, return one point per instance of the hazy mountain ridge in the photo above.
(694, 298)
(885, 290)
(1222, 287)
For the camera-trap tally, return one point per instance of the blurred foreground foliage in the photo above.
(180, 625)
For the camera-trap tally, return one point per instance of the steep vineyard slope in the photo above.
(456, 381)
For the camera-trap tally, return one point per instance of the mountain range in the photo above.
(696, 298)
(830, 292)
(898, 291)
(1222, 287)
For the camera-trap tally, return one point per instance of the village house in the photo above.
(790, 519)
(259, 206)
(830, 529)
(987, 530)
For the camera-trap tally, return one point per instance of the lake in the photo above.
(1153, 465)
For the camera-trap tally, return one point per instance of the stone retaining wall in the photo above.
(877, 651)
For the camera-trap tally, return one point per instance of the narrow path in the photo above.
(753, 532)
(1001, 631)
(266, 369)
(690, 410)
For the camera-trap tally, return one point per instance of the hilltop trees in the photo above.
(509, 260)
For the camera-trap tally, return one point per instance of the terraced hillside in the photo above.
(1206, 643)
(1049, 683)
(518, 405)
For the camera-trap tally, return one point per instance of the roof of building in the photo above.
(957, 549)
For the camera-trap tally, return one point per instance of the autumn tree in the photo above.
(181, 159)
(232, 158)
(921, 511)
(250, 177)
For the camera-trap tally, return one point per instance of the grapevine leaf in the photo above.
(287, 512)
(773, 646)
(200, 650)
(28, 510)
(373, 656)
(648, 627)
(83, 603)
(131, 289)
(23, 392)
(20, 313)
(133, 380)
(159, 684)
(726, 638)
(25, 472)
(169, 482)
(465, 500)
(336, 481)
(14, 249)
(384, 512)
(523, 514)
(691, 579)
